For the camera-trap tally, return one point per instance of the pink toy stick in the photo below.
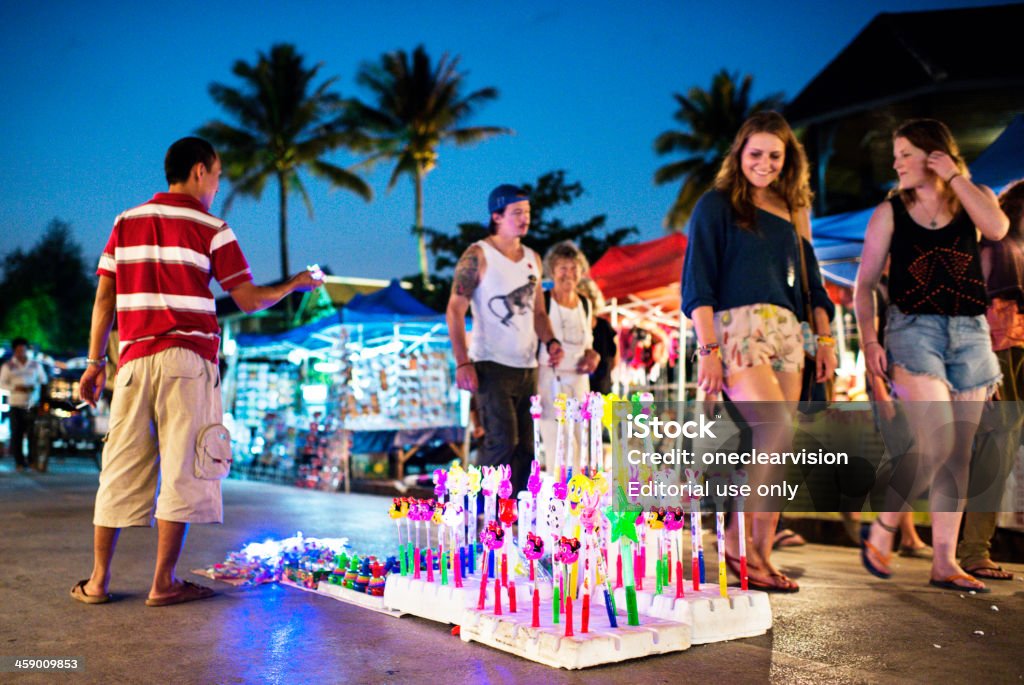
(482, 602)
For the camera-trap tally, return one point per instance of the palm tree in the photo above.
(416, 107)
(712, 118)
(282, 127)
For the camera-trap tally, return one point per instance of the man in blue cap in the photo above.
(499, 278)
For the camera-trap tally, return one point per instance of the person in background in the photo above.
(998, 439)
(604, 337)
(167, 451)
(500, 278)
(22, 378)
(572, 317)
(742, 290)
(895, 436)
(938, 354)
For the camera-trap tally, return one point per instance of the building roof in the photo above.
(900, 55)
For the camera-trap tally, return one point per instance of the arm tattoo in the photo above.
(467, 274)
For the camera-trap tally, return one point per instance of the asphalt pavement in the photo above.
(844, 626)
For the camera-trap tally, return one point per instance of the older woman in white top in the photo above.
(572, 321)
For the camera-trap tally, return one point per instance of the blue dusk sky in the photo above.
(95, 92)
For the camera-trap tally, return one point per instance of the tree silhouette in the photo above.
(711, 119)
(417, 106)
(284, 124)
(46, 293)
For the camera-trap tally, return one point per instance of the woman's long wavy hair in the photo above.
(931, 135)
(793, 184)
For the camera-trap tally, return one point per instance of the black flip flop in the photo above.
(990, 572)
(78, 593)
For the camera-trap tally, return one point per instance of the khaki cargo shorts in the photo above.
(166, 447)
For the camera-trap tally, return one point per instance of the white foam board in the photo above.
(549, 645)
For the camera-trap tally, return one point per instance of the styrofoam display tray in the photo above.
(549, 645)
(713, 618)
(362, 599)
(445, 603)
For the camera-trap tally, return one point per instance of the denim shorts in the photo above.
(955, 349)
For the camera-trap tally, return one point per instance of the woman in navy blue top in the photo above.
(742, 288)
(938, 352)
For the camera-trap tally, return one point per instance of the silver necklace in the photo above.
(933, 223)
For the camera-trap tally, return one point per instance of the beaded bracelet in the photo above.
(710, 348)
(102, 361)
(826, 341)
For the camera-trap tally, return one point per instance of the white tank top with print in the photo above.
(502, 308)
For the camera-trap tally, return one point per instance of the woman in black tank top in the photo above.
(937, 354)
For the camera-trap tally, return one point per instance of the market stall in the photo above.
(402, 395)
(372, 379)
(640, 284)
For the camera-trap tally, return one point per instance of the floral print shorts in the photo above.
(756, 334)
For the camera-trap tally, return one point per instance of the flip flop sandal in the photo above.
(951, 584)
(78, 593)
(189, 592)
(779, 583)
(788, 538)
(922, 552)
(867, 550)
(990, 572)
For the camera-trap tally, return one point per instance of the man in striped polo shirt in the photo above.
(166, 448)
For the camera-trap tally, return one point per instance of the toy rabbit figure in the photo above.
(457, 480)
(490, 481)
(453, 519)
(489, 487)
(588, 512)
(505, 486)
(534, 483)
(473, 480)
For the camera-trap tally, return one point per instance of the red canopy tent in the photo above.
(648, 272)
(641, 283)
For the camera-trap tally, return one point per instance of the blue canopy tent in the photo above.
(838, 241)
(316, 336)
(391, 305)
(394, 317)
(1002, 162)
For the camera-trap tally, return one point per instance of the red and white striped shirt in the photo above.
(161, 256)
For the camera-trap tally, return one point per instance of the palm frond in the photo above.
(342, 178)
